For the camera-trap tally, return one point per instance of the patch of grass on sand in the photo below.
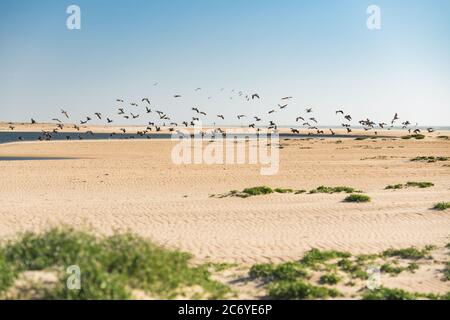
(111, 267)
(441, 206)
(300, 289)
(422, 185)
(356, 270)
(447, 272)
(330, 278)
(443, 137)
(284, 271)
(325, 189)
(410, 253)
(429, 159)
(394, 186)
(389, 294)
(315, 256)
(357, 198)
(257, 191)
(281, 190)
(300, 191)
(414, 136)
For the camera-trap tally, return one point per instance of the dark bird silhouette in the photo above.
(109, 120)
(221, 116)
(57, 120)
(257, 119)
(430, 130)
(119, 100)
(177, 96)
(299, 118)
(271, 111)
(11, 127)
(123, 130)
(395, 118)
(282, 106)
(146, 100)
(340, 111)
(33, 121)
(65, 113)
(121, 111)
(134, 116)
(148, 110)
(240, 116)
(313, 119)
(99, 115)
(255, 95)
(348, 117)
(196, 110)
(286, 98)
(309, 110)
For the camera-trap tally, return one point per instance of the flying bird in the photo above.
(65, 113)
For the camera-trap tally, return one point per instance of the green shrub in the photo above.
(395, 186)
(256, 191)
(419, 184)
(357, 198)
(284, 271)
(280, 190)
(110, 266)
(300, 290)
(389, 294)
(324, 189)
(314, 256)
(441, 206)
(407, 253)
(330, 278)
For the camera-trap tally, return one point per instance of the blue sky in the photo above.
(320, 52)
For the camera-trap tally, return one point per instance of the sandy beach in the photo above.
(133, 185)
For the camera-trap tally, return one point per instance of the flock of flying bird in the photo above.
(307, 121)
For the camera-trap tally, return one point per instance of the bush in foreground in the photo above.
(111, 267)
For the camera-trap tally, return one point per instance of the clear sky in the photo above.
(320, 52)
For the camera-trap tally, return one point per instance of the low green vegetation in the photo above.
(281, 190)
(111, 267)
(264, 190)
(389, 294)
(410, 253)
(257, 191)
(300, 289)
(357, 198)
(284, 271)
(394, 186)
(315, 256)
(330, 278)
(414, 136)
(447, 272)
(324, 189)
(422, 185)
(441, 206)
(429, 159)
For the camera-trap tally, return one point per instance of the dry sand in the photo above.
(133, 185)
